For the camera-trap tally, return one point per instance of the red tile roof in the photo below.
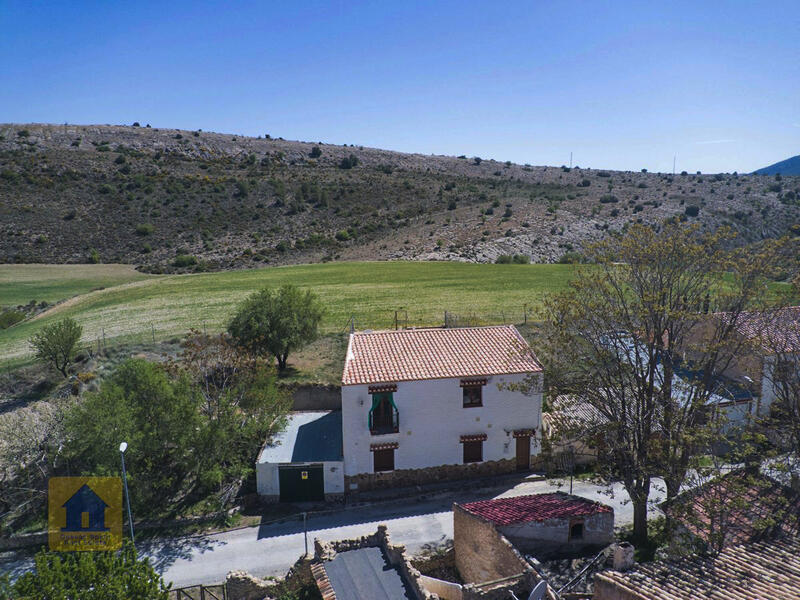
(764, 570)
(775, 330)
(414, 354)
(537, 507)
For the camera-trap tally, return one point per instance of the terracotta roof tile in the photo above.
(537, 507)
(775, 330)
(414, 354)
(746, 572)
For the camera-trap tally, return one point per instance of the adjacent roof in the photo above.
(413, 354)
(536, 507)
(365, 574)
(309, 437)
(570, 416)
(775, 330)
(764, 508)
(760, 570)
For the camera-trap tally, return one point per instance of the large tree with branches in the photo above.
(644, 336)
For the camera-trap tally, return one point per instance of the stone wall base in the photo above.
(410, 477)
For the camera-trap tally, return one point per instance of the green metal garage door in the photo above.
(301, 484)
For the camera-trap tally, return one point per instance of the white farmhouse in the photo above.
(426, 405)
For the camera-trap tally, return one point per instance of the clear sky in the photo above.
(622, 85)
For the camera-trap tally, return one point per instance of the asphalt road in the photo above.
(271, 549)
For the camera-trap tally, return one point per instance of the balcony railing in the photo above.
(382, 424)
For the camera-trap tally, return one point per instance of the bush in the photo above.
(452, 205)
(315, 152)
(120, 160)
(585, 183)
(10, 317)
(608, 199)
(184, 260)
(91, 576)
(348, 162)
(145, 229)
(477, 160)
(504, 259)
(105, 189)
(94, 256)
(508, 213)
(23, 133)
(521, 259)
(342, 235)
(692, 210)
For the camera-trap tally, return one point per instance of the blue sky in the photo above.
(622, 85)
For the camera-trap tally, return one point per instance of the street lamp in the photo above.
(122, 447)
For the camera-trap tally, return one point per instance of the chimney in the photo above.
(623, 556)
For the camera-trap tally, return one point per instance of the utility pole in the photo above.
(570, 160)
(122, 447)
(674, 158)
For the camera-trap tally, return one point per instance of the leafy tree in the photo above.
(277, 322)
(159, 418)
(240, 405)
(55, 344)
(315, 152)
(91, 576)
(636, 340)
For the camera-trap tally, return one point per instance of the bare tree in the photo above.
(644, 336)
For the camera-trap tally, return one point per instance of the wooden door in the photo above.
(523, 453)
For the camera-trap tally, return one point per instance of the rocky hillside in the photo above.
(183, 200)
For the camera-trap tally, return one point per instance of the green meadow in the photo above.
(122, 305)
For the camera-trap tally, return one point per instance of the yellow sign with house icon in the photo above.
(84, 513)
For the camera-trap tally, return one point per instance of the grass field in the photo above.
(19, 284)
(141, 307)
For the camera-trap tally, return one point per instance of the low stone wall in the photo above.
(240, 585)
(445, 590)
(23, 541)
(412, 477)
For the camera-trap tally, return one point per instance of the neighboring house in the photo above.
(768, 570)
(542, 525)
(737, 508)
(426, 405)
(570, 428)
(775, 340)
(304, 462)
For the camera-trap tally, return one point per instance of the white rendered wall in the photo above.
(267, 482)
(432, 419)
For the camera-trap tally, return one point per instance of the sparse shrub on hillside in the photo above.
(603, 174)
(452, 205)
(241, 190)
(105, 189)
(692, 210)
(184, 260)
(585, 183)
(315, 152)
(516, 259)
(504, 259)
(508, 213)
(94, 256)
(477, 160)
(120, 160)
(348, 162)
(23, 133)
(608, 199)
(342, 235)
(145, 229)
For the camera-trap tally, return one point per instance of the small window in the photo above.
(383, 460)
(576, 531)
(473, 451)
(473, 395)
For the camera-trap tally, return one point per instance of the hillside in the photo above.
(790, 166)
(72, 194)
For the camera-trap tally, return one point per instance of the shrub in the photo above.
(604, 174)
(452, 205)
(145, 229)
(504, 259)
(342, 235)
(585, 183)
(105, 189)
(477, 160)
(23, 133)
(10, 317)
(692, 210)
(94, 256)
(348, 162)
(120, 160)
(608, 199)
(184, 260)
(521, 259)
(315, 152)
(508, 213)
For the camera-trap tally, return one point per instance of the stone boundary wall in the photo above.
(412, 477)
